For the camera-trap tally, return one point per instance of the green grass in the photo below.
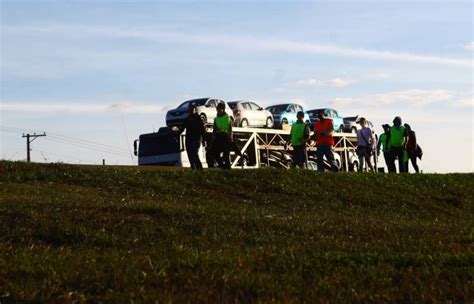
(108, 234)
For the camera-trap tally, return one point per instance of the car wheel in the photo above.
(354, 167)
(341, 128)
(284, 121)
(353, 130)
(203, 118)
(244, 123)
(269, 123)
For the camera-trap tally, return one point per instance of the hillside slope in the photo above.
(85, 233)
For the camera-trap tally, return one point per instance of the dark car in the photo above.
(206, 108)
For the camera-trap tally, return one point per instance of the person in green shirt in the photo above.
(397, 142)
(383, 142)
(222, 138)
(299, 135)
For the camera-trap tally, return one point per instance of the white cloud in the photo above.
(414, 97)
(241, 42)
(469, 46)
(335, 82)
(120, 107)
(465, 102)
(378, 76)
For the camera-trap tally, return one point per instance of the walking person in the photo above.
(384, 143)
(299, 135)
(195, 134)
(323, 132)
(222, 137)
(411, 148)
(397, 142)
(365, 146)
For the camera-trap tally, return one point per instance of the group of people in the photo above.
(398, 142)
(222, 139)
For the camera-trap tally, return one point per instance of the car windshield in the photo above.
(232, 104)
(315, 112)
(350, 118)
(196, 102)
(277, 109)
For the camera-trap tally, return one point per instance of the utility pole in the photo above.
(29, 139)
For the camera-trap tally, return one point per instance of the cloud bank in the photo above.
(240, 42)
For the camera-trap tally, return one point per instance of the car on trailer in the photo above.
(351, 124)
(329, 113)
(249, 114)
(285, 114)
(206, 108)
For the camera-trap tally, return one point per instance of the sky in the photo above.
(94, 75)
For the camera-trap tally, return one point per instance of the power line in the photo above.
(72, 139)
(87, 147)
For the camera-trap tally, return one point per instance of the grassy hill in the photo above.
(85, 233)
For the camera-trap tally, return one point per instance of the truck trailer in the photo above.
(259, 148)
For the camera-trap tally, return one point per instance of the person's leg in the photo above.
(226, 153)
(361, 156)
(299, 158)
(401, 161)
(197, 162)
(391, 162)
(368, 160)
(217, 150)
(319, 157)
(414, 164)
(189, 151)
(330, 157)
(386, 156)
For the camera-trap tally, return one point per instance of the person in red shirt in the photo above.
(323, 132)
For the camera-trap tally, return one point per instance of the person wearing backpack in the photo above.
(365, 145)
(397, 146)
(411, 148)
(384, 139)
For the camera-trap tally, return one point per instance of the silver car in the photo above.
(250, 114)
(206, 108)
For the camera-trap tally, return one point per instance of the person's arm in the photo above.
(214, 127)
(372, 138)
(379, 143)
(331, 128)
(306, 133)
(231, 134)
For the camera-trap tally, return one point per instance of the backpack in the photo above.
(418, 152)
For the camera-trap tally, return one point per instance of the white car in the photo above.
(206, 108)
(250, 114)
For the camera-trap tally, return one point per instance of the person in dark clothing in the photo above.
(384, 140)
(410, 148)
(396, 142)
(195, 134)
(222, 138)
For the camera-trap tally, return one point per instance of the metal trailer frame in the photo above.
(270, 140)
(274, 145)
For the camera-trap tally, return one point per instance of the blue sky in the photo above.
(107, 71)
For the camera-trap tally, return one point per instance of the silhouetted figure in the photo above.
(410, 147)
(195, 134)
